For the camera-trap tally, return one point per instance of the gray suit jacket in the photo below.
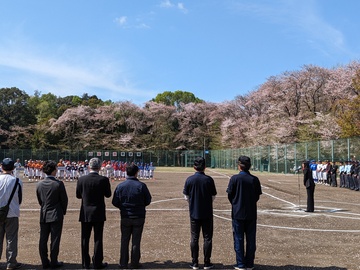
(52, 197)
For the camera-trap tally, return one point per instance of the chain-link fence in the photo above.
(175, 158)
(287, 157)
(275, 158)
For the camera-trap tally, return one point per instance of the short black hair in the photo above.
(244, 162)
(132, 169)
(199, 163)
(49, 166)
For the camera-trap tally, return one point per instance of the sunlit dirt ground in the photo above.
(287, 237)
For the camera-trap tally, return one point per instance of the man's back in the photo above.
(92, 189)
(200, 188)
(243, 193)
(131, 196)
(7, 183)
(52, 197)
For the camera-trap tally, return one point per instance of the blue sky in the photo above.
(134, 49)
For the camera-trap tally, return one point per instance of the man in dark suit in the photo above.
(92, 190)
(52, 197)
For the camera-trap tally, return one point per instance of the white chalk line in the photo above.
(279, 199)
(294, 228)
(303, 215)
(261, 211)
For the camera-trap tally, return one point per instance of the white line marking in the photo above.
(167, 200)
(337, 211)
(295, 229)
(278, 182)
(277, 198)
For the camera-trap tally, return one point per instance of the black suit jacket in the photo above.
(52, 197)
(308, 179)
(92, 190)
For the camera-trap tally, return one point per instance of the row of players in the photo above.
(326, 173)
(71, 171)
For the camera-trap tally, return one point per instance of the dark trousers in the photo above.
(310, 198)
(9, 231)
(131, 228)
(54, 229)
(333, 180)
(86, 228)
(348, 179)
(351, 182)
(244, 258)
(342, 179)
(207, 227)
(356, 182)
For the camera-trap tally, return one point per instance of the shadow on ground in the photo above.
(185, 265)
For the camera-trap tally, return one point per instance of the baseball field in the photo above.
(287, 237)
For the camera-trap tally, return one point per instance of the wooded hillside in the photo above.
(309, 104)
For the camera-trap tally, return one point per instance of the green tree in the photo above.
(14, 108)
(176, 98)
(15, 111)
(348, 115)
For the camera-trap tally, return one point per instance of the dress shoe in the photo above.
(57, 265)
(101, 266)
(15, 266)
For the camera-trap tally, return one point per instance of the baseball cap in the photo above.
(7, 164)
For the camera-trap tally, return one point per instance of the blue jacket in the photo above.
(131, 197)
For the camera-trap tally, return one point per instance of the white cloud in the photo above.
(182, 7)
(166, 4)
(143, 26)
(121, 20)
(137, 23)
(65, 76)
(169, 4)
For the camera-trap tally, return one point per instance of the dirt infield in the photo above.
(287, 237)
